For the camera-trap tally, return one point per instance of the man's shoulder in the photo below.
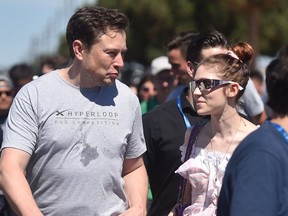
(123, 92)
(255, 141)
(123, 88)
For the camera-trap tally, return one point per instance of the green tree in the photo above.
(63, 47)
(152, 23)
(252, 9)
(262, 23)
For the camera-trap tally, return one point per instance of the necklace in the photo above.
(220, 157)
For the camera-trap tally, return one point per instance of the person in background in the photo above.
(133, 88)
(219, 82)
(51, 63)
(74, 141)
(6, 98)
(20, 75)
(177, 49)
(256, 178)
(283, 53)
(257, 78)
(146, 88)
(163, 81)
(146, 91)
(164, 129)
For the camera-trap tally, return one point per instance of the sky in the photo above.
(31, 27)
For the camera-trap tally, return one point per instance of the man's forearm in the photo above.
(18, 193)
(136, 187)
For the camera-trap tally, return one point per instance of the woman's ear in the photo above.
(190, 69)
(78, 49)
(233, 90)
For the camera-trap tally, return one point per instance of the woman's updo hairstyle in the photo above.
(234, 66)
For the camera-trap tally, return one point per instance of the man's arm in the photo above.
(13, 182)
(256, 185)
(136, 186)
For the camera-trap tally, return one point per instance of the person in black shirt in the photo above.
(164, 130)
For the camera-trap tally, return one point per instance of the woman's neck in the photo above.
(225, 124)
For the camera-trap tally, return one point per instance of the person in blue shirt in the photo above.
(256, 177)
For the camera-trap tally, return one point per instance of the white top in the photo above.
(204, 171)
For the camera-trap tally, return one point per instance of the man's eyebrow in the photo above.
(116, 50)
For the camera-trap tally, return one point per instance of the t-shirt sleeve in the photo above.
(21, 128)
(136, 141)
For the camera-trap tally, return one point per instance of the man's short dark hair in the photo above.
(207, 39)
(277, 88)
(256, 74)
(181, 41)
(88, 24)
(20, 71)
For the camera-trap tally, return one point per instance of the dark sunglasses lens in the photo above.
(145, 89)
(206, 84)
(8, 93)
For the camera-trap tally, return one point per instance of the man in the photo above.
(51, 63)
(74, 137)
(256, 177)
(164, 129)
(6, 97)
(177, 49)
(163, 80)
(20, 75)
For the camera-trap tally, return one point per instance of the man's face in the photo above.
(102, 63)
(164, 81)
(178, 63)
(5, 97)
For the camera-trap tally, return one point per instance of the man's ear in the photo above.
(78, 49)
(190, 69)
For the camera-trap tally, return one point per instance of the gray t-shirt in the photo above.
(250, 104)
(77, 139)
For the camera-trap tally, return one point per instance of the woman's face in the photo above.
(209, 91)
(147, 91)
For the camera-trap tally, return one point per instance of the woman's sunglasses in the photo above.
(208, 84)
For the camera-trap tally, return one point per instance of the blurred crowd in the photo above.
(199, 100)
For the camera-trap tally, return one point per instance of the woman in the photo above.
(146, 88)
(218, 83)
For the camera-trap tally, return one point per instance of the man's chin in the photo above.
(109, 82)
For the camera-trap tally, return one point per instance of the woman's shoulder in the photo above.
(246, 129)
(249, 126)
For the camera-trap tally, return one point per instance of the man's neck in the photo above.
(282, 121)
(189, 97)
